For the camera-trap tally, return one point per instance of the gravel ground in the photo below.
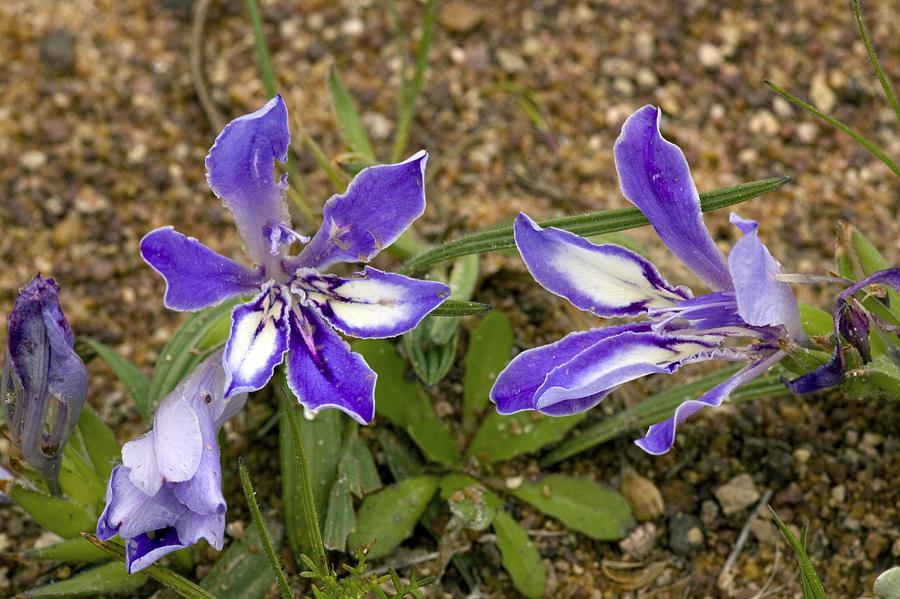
(103, 139)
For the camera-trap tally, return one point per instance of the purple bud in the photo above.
(44, 382)
(853, 323)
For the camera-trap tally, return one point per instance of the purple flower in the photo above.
(6, 477)
(746, 302)
(167, 492)
(44, 382)
(852, 323)
(295, 304)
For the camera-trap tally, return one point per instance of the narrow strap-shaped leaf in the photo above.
(658, 407)
(873, 59)
(264, 538)
(160, 574)
(460, 308)
(812, 586)
(520, 557)
(864, 142)
(99, 441)
(186, 348)
(595, 223)
(136, 382)
(349, 123)
(106, 579)
(490, 347)
(76, 551)
(56, 514)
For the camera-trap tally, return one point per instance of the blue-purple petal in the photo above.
(380, 203)
(592, 374)
(762, 300)
(608, 280)
(661, 436)
(130, 512)
(240, 171)
(654, 176)
(515, 387)
(258, 340)
(323, 372)
(378, 304)
(196, 276)
(145, 549)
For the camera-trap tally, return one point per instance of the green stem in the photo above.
(410, 93)
(871, 147)
(873, 58)
(311, 519)
(337, 180)
(263, 533)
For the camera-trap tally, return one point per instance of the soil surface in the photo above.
(103, 139)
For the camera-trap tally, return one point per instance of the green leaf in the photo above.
(341, 519)
(520, 557)
(136, 382)
(390, 515)
(463, 278)
(864, 142)
(108, 579)
(397, 398)
(490, 346)
(812, 586)
(873, 59)
(241, 572)
(503, 437)
(77, 478)
(879, 377)
(349, 123)
(581, 504)
(65, 518)
(815, 321)
(76, 551)
(321, 438)
(595, 223)
(887, 585)
(452, 307)
(262, 532)
(410, 89)
(431, 361)
(357, 465)
(658, 407)
(189, 345)
(435, 441)
(99, 441)
(401, 460)
(164, 576)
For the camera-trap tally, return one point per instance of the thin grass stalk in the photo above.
(873, 59)
(262, 531)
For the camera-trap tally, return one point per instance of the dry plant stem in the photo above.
(724, 579)
(311, 520)
(201, 9)
(873, 59)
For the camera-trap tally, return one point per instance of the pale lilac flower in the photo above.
(295, 303)
(747, 302)
(851, 322)
(44, 382)
(6, 478)
(167, 493)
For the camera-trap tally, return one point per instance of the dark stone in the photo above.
(685, 534)
(58, 51)
(779, 465)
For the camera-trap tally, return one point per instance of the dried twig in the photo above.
(201, 9)
(724, 579)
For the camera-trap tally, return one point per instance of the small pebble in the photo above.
(640, 542)
(685, 534)
(738, 493)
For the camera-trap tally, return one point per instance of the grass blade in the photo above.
(594, 223)
(809, 580)
(409, 93)
(264, 538)
(873, 58)
(871, 147)
(160, 574)
(136, 382)
(348, 120)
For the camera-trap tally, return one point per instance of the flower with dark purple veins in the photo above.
(747, 301)
(295, 303)
(44, 382)
(167, 493)
(851, 322)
